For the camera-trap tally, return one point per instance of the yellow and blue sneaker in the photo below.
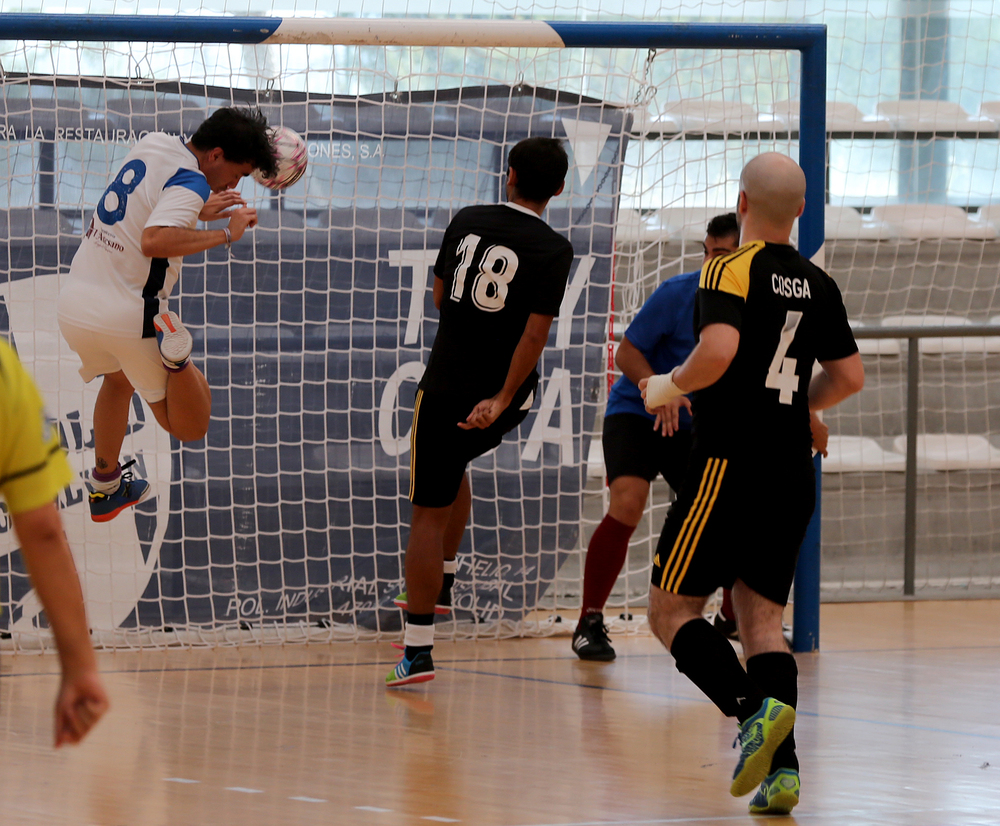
(759, 737)
(407, 672)
(778, 794)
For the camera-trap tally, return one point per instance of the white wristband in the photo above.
(661, 389)
(229, 236)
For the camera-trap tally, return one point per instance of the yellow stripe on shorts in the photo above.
(687, 521)
(687, 539)
(701, 526)
(413, 443)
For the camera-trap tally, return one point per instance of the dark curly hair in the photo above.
(541, 165)
(722, 226)
(242, 135)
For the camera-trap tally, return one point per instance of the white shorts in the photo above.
(100, 353)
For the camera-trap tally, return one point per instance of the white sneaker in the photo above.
(175, 342)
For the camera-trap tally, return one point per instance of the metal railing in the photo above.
(913, 334)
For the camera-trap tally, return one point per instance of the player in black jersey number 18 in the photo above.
(764, 315)
(498, 283)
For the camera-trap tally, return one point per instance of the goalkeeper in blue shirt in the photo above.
(638, 446)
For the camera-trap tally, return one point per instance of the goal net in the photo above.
(288, 522)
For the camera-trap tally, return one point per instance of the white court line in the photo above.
(371, 809)
(441, 819)
(244, 790)
(179, 780)
(308, 799)
(665, 820)
(857, 816)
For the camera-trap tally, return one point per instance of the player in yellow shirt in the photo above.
(33, 469)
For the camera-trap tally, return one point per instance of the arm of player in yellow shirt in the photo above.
(33, 469)
(81, 701)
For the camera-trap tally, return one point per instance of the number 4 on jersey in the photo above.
(781, 374)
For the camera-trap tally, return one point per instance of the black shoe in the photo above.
(726, 627)
(590, 639)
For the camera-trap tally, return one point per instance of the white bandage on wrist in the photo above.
(661, 389)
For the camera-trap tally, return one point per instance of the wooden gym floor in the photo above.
(899, 724)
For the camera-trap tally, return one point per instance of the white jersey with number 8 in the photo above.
(112, 287)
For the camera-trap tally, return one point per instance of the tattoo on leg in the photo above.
(102, 465)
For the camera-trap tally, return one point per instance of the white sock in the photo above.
(107, 488)
(418, 636)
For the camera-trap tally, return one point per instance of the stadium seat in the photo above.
(931, 221)
(701, 115)
(875, 346)
(989, 214)
(846, 223)
(689, 223)
(991, 109)
(969, 344)
(952, 451)
(840, 117)
(860, 454)
(635, 228)
(684, 223)
(642, 121)
(927, 115)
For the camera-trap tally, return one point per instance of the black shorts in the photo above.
(633, 448)
(736, 518)
(440, 450)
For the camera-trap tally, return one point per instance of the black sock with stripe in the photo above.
(710, 662)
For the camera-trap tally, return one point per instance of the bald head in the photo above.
(775, 188)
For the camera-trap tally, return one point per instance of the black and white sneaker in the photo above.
(590, 639)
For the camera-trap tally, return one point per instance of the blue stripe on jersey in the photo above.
(192, 180)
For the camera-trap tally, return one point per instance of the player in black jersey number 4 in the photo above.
(498, 281)
(764, 314)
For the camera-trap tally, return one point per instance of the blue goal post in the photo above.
(808, 40)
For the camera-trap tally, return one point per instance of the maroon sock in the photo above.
(605, 556)
(97, 476)
(727, 604)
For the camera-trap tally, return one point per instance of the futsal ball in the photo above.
(291, 155)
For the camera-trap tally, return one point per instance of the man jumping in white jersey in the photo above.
(113, 306)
